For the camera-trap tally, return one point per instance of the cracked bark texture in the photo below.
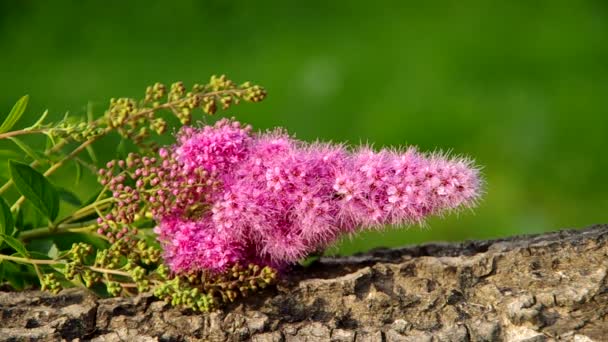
(529, 288)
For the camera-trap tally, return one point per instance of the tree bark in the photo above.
(527, 288)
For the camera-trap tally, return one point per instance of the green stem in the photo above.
(38, 273)
(55, 262)
(66, 228)
(109, 271)
(87, 210)
(30, 261)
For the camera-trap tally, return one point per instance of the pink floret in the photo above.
(213, 148)
(195, 245)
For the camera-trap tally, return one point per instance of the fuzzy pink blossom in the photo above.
(213, 148)
(196, 245)
(272, 200)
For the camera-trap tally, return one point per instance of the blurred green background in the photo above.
(520, 86)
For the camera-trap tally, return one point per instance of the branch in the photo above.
(528, 288)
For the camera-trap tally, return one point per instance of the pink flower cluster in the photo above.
(271, 200)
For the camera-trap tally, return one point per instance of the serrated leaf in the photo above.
(36, 188)
(15, 114)
(15, 244)
(69, 197)
(6, 220)
(25, 148)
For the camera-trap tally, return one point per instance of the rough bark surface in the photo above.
(529, 288)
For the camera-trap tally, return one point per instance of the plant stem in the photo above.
(30, 261)
(128, 285)
(38, 273)
(171, 104)
(55, 262)
(67, 228)
(109, 271)
(21, 132)
(87, 210)
(36, 262)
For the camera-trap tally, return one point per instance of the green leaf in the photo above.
(6, 220)
(42, 249)
(28, 217)
(64, 241)
(92, 199)
(53, 252)
(121, 149)
(19, 219)
(78, 172)
(69, 197)
(40, 120)
(9, 154)
(36, 188)
(15, 114)
(92, 154)
(11, 272)
(100, 290)
(38, 255)
(310, 260)
(6, 155)
(50, 141)
(23, 146)
(15, 244)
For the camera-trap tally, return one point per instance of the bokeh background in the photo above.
(520, 86)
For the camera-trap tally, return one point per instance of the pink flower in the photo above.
(270, 199)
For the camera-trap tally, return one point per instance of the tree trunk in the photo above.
(529, 288)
